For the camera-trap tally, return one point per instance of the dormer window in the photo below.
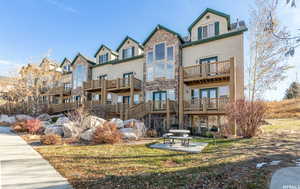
(127, 53)
(67, 68)
(103, 58)
(209, 30)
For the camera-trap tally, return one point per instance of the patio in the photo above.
(196, 147)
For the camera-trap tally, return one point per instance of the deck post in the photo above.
(168, 115)
(131, 91)
(181, 97)
(233, 87)
(103, 91)
(118, 83)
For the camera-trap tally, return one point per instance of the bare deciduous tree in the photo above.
(267, 54)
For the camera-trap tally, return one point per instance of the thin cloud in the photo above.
(62, 6)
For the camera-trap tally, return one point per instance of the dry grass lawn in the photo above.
(228, 164)
(284, 109)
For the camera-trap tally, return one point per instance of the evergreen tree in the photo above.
(293, 91)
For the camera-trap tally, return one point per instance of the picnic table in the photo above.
(178, 134)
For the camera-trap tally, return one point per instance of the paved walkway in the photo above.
(286, 178)
(21, 167)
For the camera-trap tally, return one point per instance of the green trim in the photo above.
(164, 28)
(119, 61)
(127, 37)
(213, 12)
(87, 60)
(230, 34)
(65, 59)
(104, 46)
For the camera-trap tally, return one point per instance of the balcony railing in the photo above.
(207, 105)
(114, 84)
(207, 70)
(56, 108)
(59, 90)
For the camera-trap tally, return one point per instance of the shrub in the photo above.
(51, 139)
(33, 126)
(19, 127)
(248, 117)
(107, 134)
(151, 133)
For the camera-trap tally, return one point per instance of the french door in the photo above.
(159, 99)
(126, 78)
(209, 96)
(211, 65)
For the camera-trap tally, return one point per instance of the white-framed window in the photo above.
(79, 75)
(161, 63)
(103, 58)
(160, 51)
(208, 30)
(170, 53)
(223, 91)
(103, 76)
(136, 99)
(150, 58)
(120, 99)
(171, 94)
(127, 53)
(211, 30)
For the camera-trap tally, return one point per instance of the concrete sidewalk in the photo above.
(286, 178)
(21, 167)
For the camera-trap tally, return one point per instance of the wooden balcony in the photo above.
(208, 72)
(58, 108)
(206, 106)
(123, 84)
(92, 85)
(115, 85)
(60, 91)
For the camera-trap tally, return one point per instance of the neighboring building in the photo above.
(167, 79)
(6, 83)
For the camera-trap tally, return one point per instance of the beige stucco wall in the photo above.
(204, 21)
(223, 49)
(103, 51)
(129, 43)
(115, 71)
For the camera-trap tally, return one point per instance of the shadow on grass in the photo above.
(232, 175)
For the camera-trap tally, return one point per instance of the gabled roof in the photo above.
(126, 38)
(213, 12)
(164, 28)
(65, 59)
(90, 61)
(104, 46)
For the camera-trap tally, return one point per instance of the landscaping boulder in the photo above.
(7, 120)
(71, 130)
(54, 129)
(62, 120)
(92, 122)
(23, 117)
(45, 124)
(44, 117)
(137, 125)
(88, 134)
(118, 122)
(129, 133)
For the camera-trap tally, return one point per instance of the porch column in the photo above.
(232, 79)
(168, 115)
(181, 98)
(232, 94)
(131, 91)
(103, 91)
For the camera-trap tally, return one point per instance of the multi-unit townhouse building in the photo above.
(168, 79)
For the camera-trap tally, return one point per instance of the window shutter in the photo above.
(132, 49)
(199, 33)
(217, 28)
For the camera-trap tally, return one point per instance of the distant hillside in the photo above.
(284, 109)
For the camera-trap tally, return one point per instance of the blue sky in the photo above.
(32, 29)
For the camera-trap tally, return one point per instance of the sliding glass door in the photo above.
(159, 99)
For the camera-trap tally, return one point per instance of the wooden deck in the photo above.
(59, 91)
(208, 72)
(115, 85)
(206, 106)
